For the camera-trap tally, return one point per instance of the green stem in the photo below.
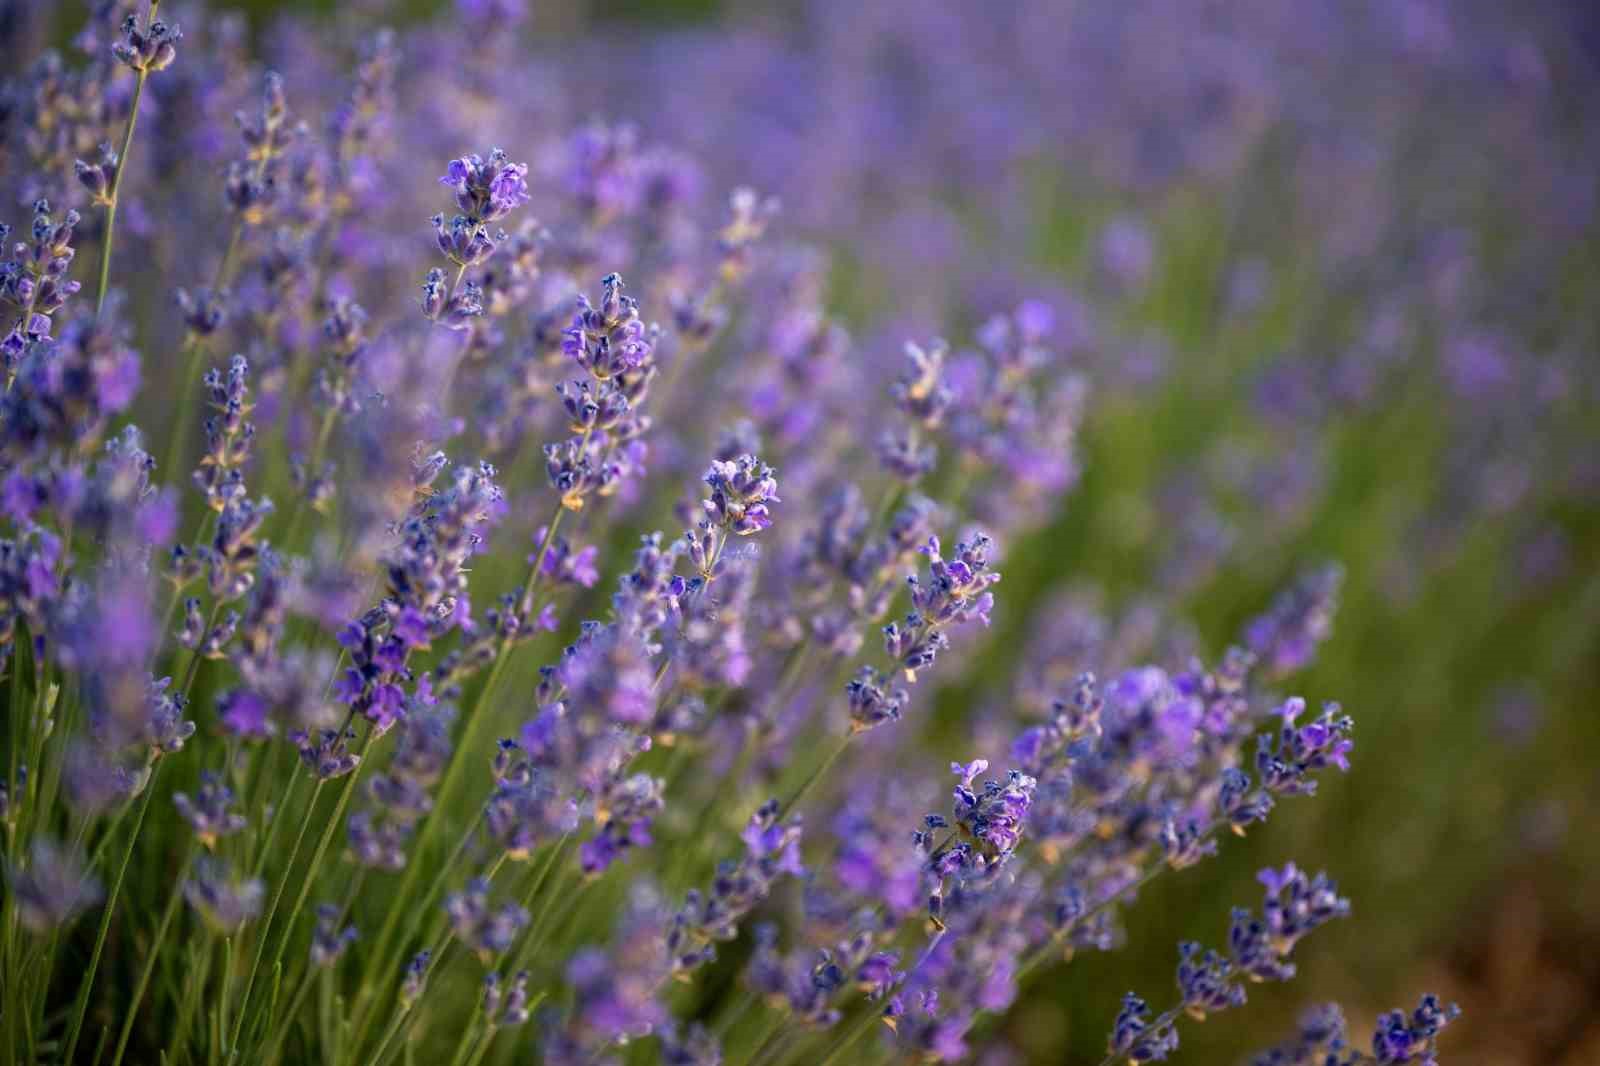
(856, 1032)
(318, 448)
(467, 1033)
(328, 831)
(150, 961)
(110, 907)
(277, 897)
(817, 775)
(534, 890)
(116, 179)
(379, 962)
(286, 1022)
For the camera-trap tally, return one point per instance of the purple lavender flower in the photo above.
(328, 939)
(624, 811)
(487, 190)
(226, 901)
(415, 980)
(52, 888)
(956, 592)
(741, 489)
(34, 283)
(1287, 635)
(146, 50)
(502, 1008)
(482, 929)
(210, 812)
(772, 849)
(1138, 1038)
(1400, 1038)
(1295, 904)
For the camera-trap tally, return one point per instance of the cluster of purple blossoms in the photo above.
(1399, 1037)
(341, 665)
(1258, 950)
(34, 283)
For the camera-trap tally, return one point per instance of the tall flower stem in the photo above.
(379, 962)
(153, 953)
(85, 985)
(116, 179)
(285, 1022)
(277, 897)
(817, 775)
(328, 830)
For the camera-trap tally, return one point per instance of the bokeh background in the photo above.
(1333, 270)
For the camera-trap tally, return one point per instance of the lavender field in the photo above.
(800, 534)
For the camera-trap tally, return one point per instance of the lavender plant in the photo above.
(557, 667)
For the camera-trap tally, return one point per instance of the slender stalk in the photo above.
(817, 775)
(854, 1033)
(285, 1022)
(468, 1031)
(277, 897)
(143, 982)
(328, 831)
(106, 913)
(532, 938)
(116, 179)
(318, 448)
(379, 961)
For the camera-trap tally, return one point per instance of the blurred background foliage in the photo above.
(1463, 832)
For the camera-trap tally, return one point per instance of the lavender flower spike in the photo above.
(740, 491)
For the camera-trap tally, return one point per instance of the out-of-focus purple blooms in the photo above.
(53, 887)
(749, 216)
(624, 812)
(1320, 1041)
(252, 184)
(565, 564)
(605, 175)
(225, 901)
(693, 1045)
(617, 991)
(204, 310)
(482, 929)
(502, 1008)
(1286, 637)
(415, 979)
(210, 812)
(328, 939)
